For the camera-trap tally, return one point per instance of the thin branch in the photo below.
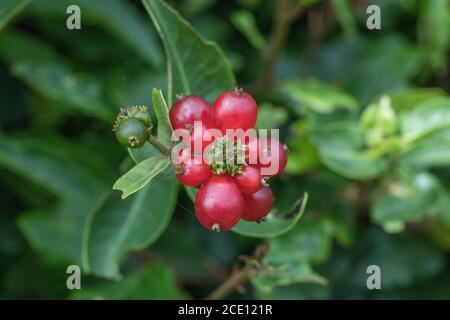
(240, 276)
(158, 145)
(286, 12)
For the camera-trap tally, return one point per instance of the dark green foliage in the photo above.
(365, 114)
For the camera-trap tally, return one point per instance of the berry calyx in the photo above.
(257, 205)
(193, 171)
(134, 112)
(131, 133)
(219, 203)
(199, 137)
(234, 110)
(249, 180)
(188, 109)
(226, 156)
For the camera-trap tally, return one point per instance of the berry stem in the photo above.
(158, 145)
(238, 91)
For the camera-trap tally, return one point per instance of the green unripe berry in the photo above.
(136, 112)
(140, 113)
(131, 133)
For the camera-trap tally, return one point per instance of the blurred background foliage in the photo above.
(365, 113)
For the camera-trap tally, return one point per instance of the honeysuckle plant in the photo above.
(362, 129)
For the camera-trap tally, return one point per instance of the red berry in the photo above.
(189, 109)
(252, 151)
(180, 153)
(249, 180)
(193, 171)
(200, 139)
(258, 204)
(219, 203)
(269, 154)
(234, 110)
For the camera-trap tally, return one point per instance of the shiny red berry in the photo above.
(180, 153)
(249, 180)
(200, 139)
(258, 204)
(193, 171)
(269, 154)
(189, 109)
(219, 203)
(234, 110)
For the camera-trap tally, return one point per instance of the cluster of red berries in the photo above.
(227, 193)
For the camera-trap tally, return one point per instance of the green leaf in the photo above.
(119, 17)
(290, 273)
(365, 67)
(317, 96)
(59, 232)
(133, 91)
(299, 291)
(162, 115)
(123, 226)
(194, 8)
(141, 174)
(431, 151)
(274, 224)
(270, 116)
(194, 65)
(436, 288)
(46, 165)
(403, 260)
(292, 255)
(87, 226)
(345, 16)
(146, 151)
(46, 73)
(20, 283)
(191, 192)
(302, 155)
(250, 4)
(341, 148)
(433, 32)
(245, 22)
(378, 121)
(408, 99)
(9, 9)
(97, 235)
(407, 199)
(439, 228)
(79, 192)
(426, 118)
(308, 3)
(153, 283)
